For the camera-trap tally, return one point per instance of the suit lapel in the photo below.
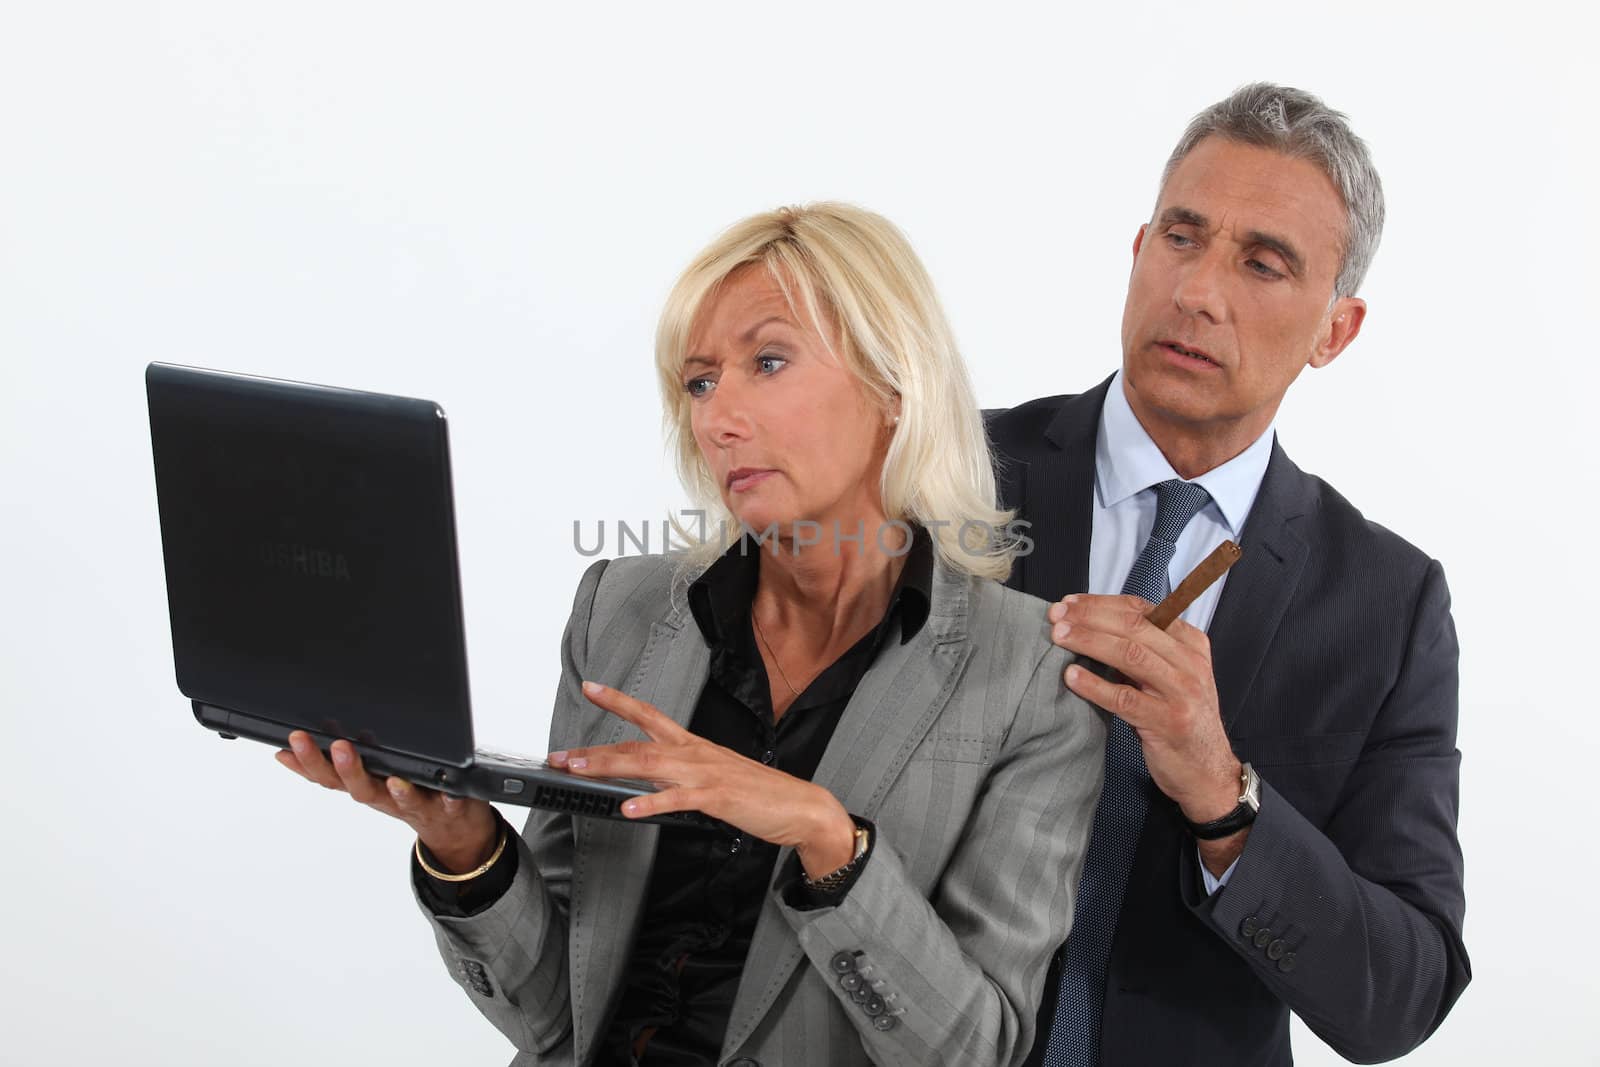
(887, 717)
(613, 859)
(1058, 498)
(1261, 584)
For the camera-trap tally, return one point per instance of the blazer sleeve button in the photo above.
(874, 1006)
(1276, 950)
(843, 962)
(1287, 963)
(1263, 937)
(1247, 929)
(851, 982)
(885, 1023)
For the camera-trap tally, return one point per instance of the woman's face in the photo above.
(788, 433)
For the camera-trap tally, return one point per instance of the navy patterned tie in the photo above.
(1124, 799)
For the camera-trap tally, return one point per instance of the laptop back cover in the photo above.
(310, 552)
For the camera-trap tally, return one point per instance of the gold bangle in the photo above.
(470, 875)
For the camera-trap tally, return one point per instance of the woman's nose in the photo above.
(724, 417)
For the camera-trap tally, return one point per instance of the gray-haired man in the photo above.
(1278, 827)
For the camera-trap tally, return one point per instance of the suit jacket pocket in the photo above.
(923, 814)
(1299, 750)
(958, 748)
(1308, 771)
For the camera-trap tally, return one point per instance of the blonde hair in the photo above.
(858, 270)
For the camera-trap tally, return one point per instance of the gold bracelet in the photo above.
(470, 875)
(834, 879)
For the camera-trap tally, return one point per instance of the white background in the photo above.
(485, 204)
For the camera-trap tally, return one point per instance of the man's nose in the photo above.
(1200, 289)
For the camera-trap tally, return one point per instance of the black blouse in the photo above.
(706, 888)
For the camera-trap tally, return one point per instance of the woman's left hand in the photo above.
(705, 777)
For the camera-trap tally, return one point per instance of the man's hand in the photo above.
(1168, 694)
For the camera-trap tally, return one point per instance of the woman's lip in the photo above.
(746, 481)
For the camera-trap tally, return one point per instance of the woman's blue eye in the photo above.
(692, 386)
(763, 360)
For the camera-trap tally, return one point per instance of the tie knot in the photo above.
(1176, 503)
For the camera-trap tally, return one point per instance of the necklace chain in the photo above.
(770, 652)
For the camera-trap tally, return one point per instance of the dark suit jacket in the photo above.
(1335, 661)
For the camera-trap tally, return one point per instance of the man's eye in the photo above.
(1179, 240)
(697, 386)
(1262, 269)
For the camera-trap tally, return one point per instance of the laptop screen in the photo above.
(310, 557)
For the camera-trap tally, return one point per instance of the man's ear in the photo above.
(1344, 322)
(1138, 243)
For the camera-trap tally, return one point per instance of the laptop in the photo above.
(310, 547)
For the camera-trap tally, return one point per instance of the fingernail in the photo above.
(1055, 612)
(631, 807)
(341, 757)
(1062, 630)
(1073, 673)
(592, 687)
(578, 764)
(556, 757)
(1073, 599)
(396, 787)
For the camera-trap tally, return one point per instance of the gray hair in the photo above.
(1298, 124)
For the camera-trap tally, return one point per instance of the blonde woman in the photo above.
(834, 672)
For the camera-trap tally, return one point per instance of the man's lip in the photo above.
(1189, 350)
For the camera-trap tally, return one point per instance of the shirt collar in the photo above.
(1127, 461)
(720, 598)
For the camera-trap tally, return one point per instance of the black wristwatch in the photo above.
(1239, 817)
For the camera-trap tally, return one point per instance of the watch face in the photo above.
(1252, 788)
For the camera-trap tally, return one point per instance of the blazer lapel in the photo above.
(613, 859)
(890, 713)
(1057, 496)
(1260, 586)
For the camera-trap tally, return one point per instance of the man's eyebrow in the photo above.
(1278, 245)
(1182, 216)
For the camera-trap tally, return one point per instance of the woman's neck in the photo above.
(822, 595)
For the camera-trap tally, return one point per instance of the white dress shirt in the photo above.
(1127, 467)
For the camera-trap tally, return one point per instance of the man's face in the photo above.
(1232, 291)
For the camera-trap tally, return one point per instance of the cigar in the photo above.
(1211, 568)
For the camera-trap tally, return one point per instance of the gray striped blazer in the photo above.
(978, 766)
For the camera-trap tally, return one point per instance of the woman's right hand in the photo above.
(460, 832)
